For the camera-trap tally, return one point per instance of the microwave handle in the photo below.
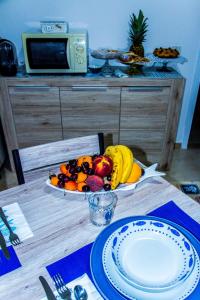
(68, 54)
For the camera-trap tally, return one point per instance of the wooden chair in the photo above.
(34, 162)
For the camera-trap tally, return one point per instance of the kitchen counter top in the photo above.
(147, 73)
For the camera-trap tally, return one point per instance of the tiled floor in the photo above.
(185, 168)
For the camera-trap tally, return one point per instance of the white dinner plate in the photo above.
(179, 292)
(149, 172)
(152, 255)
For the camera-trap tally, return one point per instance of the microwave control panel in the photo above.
(80, 53)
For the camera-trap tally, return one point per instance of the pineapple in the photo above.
(137, 32)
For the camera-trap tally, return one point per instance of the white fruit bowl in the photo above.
(149, 172)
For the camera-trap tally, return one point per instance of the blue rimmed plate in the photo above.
(151, 255)
(106, 288)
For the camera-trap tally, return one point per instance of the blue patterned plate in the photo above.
(151, 255)
(190, 288)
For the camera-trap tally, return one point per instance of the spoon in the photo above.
(80, 293)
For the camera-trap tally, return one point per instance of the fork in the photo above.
(13, 237)
(61, 288)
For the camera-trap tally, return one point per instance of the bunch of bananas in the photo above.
(122, 158)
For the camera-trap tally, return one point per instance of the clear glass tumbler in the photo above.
(101, 207)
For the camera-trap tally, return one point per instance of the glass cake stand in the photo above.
(106, 54)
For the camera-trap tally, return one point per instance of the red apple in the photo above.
(102, 165)
(95, 183)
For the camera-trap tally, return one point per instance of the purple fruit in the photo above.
(90, 171)
(60, 184)
(107, 187)
(78, 169)
(85, 165)
(61, 176)
(73, 162)
(72, 170)
(85, 188)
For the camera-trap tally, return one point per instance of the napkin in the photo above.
(17, 222)
(78, 263)
(8, 265)
(86, 283)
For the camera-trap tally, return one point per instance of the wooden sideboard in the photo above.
(141, 112)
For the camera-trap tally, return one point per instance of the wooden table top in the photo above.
(61, 225)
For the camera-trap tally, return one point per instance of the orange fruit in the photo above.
(70, 185)
(54, 180)
(136, 173)
(63, 169)
(84, 158)
(81, 177)
(80, 186)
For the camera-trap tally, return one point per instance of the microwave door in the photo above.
(48, 54)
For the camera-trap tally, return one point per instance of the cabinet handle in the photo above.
(145, 89)
(31, 88)
(89, 88)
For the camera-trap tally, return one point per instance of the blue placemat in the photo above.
(8, 265)
(78, 263)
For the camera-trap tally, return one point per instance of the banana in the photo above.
(115, 154)
(127, 156)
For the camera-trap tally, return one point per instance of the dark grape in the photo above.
(61, 176)
(143, 172)
(84, 170)
(85, 165)
(90, 171)
(66, 179)
(67, 166)
(73, 162)
(60, 184)
(78, 169)
(107, 187)
(52, 175)
(109, 177)
(85, 188)
(72, 170)
(74, 177)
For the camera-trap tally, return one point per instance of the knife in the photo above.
(4, 219)
(49, 293)
(3, 246)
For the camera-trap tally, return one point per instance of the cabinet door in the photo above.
(36, 113)
(143, 121)
(90, 109)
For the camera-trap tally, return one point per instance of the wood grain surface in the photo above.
(36, 112)
(57, 152)
(61, 225)
(42, 109)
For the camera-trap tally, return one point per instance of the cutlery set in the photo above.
(13, 237)
(64, 292)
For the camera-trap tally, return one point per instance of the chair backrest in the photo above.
(35, 161)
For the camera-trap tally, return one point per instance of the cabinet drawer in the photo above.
(36, 112)
(144, 107)
(86, 108)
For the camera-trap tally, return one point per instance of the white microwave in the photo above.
(55, 52)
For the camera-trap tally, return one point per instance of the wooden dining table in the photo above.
(60, 225)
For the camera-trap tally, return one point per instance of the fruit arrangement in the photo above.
(98, 172)
(166, 52)
(131, 58)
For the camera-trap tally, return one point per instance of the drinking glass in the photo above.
(101, 207)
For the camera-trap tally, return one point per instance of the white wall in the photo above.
(172, 22)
